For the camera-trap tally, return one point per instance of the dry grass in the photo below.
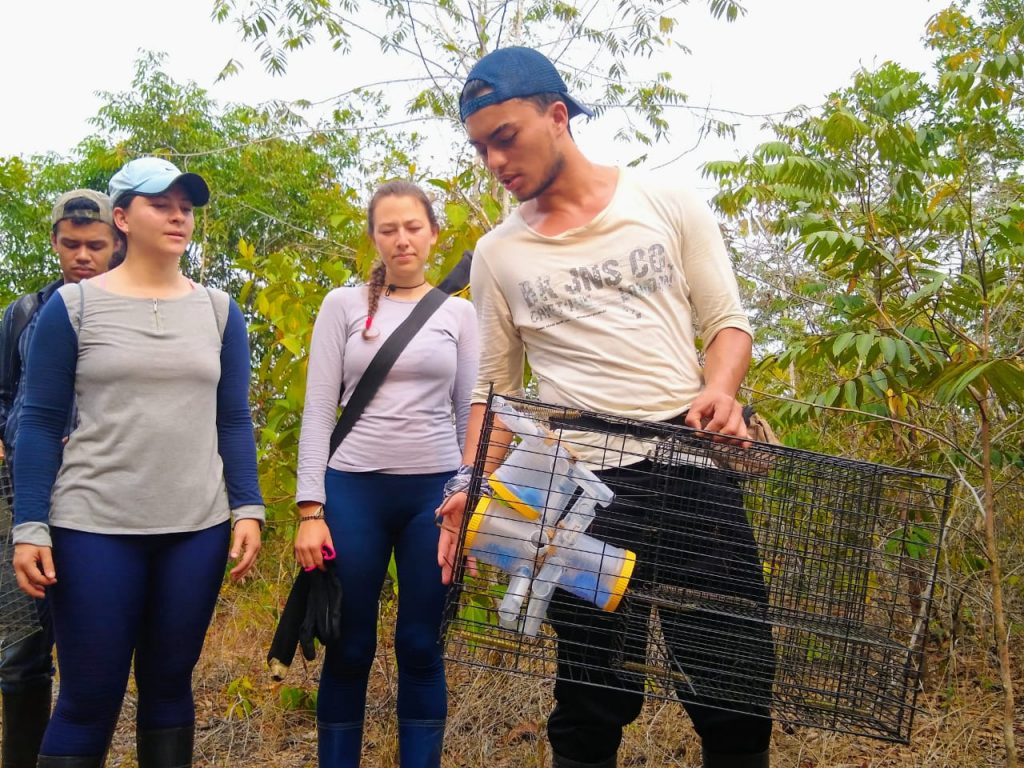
(497, 720)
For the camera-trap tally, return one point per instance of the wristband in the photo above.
(318, 515)
(459, 483)
(461, 480)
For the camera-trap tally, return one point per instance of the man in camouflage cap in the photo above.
(83, 236)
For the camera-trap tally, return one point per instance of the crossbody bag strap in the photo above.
(378, 368)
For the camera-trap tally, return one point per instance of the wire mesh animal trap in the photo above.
(18, 617)
(760, 579)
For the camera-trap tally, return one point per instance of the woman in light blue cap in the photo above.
(127, 530)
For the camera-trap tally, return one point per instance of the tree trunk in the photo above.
(996, 579)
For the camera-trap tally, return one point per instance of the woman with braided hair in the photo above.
(375, 494)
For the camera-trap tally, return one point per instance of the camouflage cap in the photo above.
(83, 204)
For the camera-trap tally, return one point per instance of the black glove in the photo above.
(322, 619)
(313, 610)
(286, 636)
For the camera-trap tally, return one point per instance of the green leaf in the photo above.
(1006, 377)
(888, 348)
(864, 343)
(903, 353)
(957, 378)
(293, 699)
(773, 150)
(926, 291)
(292, 344)
(457, 214)
(842, 342)
(831, 396)
(850, 393)
(879, 381)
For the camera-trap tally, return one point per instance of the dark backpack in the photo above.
(18, 317)
(21, 315)
(22, 311)
(458, 279)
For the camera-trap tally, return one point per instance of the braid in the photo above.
(374, 287)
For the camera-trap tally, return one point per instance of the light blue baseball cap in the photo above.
(154, 176)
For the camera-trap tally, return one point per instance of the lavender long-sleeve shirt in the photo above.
(416, 423)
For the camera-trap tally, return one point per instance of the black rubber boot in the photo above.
(165, 748)
(557, 761)
(712, 760)
(26, 714)
(71, 761)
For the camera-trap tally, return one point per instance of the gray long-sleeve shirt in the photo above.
(164, 442)
(416, 423)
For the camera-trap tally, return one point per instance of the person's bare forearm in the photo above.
(497, 445)
(727, 360)
(450, 514)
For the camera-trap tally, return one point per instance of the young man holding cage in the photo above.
(598, 277)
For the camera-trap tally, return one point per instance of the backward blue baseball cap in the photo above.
(153, 176)
(515, 73)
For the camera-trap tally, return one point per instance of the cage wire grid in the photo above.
(766, 580)
(18, 617)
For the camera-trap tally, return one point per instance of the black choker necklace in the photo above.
(392, 287)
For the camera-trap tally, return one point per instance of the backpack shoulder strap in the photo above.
(81, 305)
(24, 308)
(73, 295)
(221, 303)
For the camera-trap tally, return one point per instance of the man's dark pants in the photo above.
(688, 529)
(26, 671)
(28, 663)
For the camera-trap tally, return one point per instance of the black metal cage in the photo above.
(18, 617)
(648, 557)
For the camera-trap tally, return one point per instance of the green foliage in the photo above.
(596, 46)
(28, 189)
(284, 291)
(241, 693)
(293, 699)
(278, 182)
(893, 214)
(884, 245)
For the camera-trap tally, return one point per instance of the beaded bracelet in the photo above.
(318, 515)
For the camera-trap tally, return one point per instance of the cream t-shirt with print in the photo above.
(607, 313)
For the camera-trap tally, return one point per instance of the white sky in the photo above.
(55, 54)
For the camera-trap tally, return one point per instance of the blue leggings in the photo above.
(370, 515)
(151, 595)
